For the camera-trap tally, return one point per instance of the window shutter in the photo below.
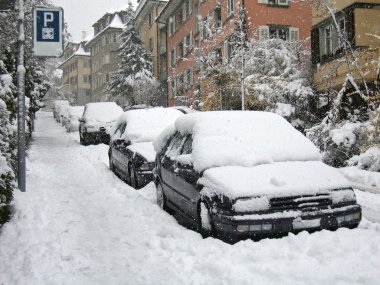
(174, 87)
(262, 1)
(190, 7)
(184, 16)
(228, 8)
(263, 33)
(201, 32)
(191, 77)
(190, 41)
(173, 24)
(225, 52)
(294, 34)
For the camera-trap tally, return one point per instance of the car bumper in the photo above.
(97, 137)
(236, 227)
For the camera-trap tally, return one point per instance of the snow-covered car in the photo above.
(96, 122)
(58, 107)
(238, 175)
(72, 118)
(131, 152)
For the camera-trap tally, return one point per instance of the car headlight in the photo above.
(147, 166)
(343, 196)
(251, 204)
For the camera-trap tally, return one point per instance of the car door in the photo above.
(185, 180)
(167, 168)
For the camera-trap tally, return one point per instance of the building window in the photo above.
(172, 58)
(150, 19)
(189, 78)
(218, 55)
(188, 42)
(277, 32)
(275, 2)
(174, 87)
(218, 16)
(150, 44)
(171, 25)
(328, 40)
(228, 50)
(114, 37)
(180, 50)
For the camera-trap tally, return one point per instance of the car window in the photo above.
(174, 146)
(187, 145)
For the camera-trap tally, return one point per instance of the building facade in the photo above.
(197, 29)
(346, 42)
(153, 36)
(76, 77)
(104, 51)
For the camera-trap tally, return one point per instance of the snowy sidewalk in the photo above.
(79, 224)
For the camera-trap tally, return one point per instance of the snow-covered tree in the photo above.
(135, 68)
(277, 79)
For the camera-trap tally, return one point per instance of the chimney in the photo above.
(84, 34)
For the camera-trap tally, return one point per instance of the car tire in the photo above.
(133, 177)
(161, 198)
(205, 224)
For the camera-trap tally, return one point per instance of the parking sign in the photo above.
(47, 32)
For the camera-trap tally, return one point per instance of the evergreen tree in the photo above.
(135, 66)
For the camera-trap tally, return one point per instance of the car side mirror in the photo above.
(184, 161)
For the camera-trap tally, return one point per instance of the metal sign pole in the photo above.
(21, 100)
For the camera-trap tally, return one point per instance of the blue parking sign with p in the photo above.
(48, 29)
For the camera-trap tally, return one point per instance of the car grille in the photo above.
(304, 203)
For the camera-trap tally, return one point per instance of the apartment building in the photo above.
(104, 51)
(197, 28)
(153, 37)
(347, 41)
(76, 80)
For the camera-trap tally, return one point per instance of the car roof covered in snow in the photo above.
(144, 125)
(240, 138)
(102, 112)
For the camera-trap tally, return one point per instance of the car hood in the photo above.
(275, 180)
(145, 149)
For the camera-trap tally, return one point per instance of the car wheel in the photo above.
(205, 224)
(133, 177)
(161, 198)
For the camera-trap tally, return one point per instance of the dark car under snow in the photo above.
(131, 153)
(238, 175)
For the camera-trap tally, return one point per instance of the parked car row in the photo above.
(67, 115)
(229, 174)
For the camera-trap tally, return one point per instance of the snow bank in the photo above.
(145, 125)
(362, 177)
(273, 180)
(243, 139)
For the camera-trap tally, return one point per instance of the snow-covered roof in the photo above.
(103, 112)
(144, 125)
(116, 22)
(76, 111)
(240, 138)
(81, 51)
(145, 149)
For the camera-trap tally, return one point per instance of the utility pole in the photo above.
(21, 99)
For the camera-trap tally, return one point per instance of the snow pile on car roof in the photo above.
(244, 139)
(145, 125)
(104, 112)
(273, 180)
(76, 111)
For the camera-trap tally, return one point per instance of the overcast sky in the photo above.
(81, 14)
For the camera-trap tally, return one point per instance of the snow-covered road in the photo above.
(79, 224)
